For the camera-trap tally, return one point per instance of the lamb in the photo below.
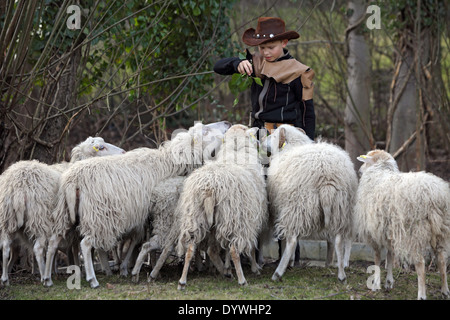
(110, 197)
(224, 202)
(318, 202)
(27, 198)
(407, 213)
(164, 201)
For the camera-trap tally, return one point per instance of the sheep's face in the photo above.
(99, 148)
(94, 147)
(212, 137)
(376, 157)
(283, 135)
(198, 144)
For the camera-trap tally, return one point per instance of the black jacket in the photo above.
(274, 101)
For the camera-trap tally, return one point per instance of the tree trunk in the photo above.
(357, 111)
(417, 92)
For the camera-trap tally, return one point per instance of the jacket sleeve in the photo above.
(227, 66)
(309, 118)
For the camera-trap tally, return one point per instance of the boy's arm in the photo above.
(309, 118)
(227, 66)
(307, 97)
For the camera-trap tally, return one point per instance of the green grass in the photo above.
(298, 283)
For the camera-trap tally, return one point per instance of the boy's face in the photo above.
(271, 51)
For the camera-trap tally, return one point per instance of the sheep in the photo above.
(407, 213)
(27, 198)
(111, 197)
(164, 201)
(224, 202)
(311, 188)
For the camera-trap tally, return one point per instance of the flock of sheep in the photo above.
(207, 190)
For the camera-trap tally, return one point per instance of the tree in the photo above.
(358, 137)
(127, 65)
(417, 91)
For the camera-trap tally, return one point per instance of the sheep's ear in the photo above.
(365, 159)
(252, 133)
(282, 139)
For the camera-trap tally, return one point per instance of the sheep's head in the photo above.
(377, 157)
(94, 147)
(282, 136)
(194, 146)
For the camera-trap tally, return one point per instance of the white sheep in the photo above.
(407, 213)
(311, 189)
(111, 197)
(224, 202)
(164, 200)
(28, 189)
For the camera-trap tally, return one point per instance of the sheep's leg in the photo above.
(260, 255)
(38, 250)
(330, 253)
(420, 269)
(255, 266)
(103, 257)
(347, 252)
(442, 266)
(51, 250)
(75, 249)
(389, 264)
(86, 247)
(287, 254)
(187, 260)
(340, 257)
(6, 245)
(213, 253)
(227, 265)
(161, 260)
(377, 254)
(237, 265)
(150, 245)
(377, 260)
(126, 260)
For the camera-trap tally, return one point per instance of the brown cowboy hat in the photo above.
(268, 29)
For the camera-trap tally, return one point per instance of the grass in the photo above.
(298, 283)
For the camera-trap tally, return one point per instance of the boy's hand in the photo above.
(245, 67)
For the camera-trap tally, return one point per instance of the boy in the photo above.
(287, 91)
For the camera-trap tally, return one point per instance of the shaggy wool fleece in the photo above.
(410, 211)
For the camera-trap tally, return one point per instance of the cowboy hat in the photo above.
(268, 29)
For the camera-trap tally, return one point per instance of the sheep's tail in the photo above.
(336, 206)
(14, 209)
(71, 193)
(208, 205)
(326, 195)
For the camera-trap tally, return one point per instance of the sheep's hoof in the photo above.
(243, 284)
(135, 278)
(47, 282)
(276, 277)
(343, 279)
(445, 294)
(151, 278)
(227, 273)
(94, 283)
(123, 272)
(389, 285)
(181, 286)
(5, 282)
